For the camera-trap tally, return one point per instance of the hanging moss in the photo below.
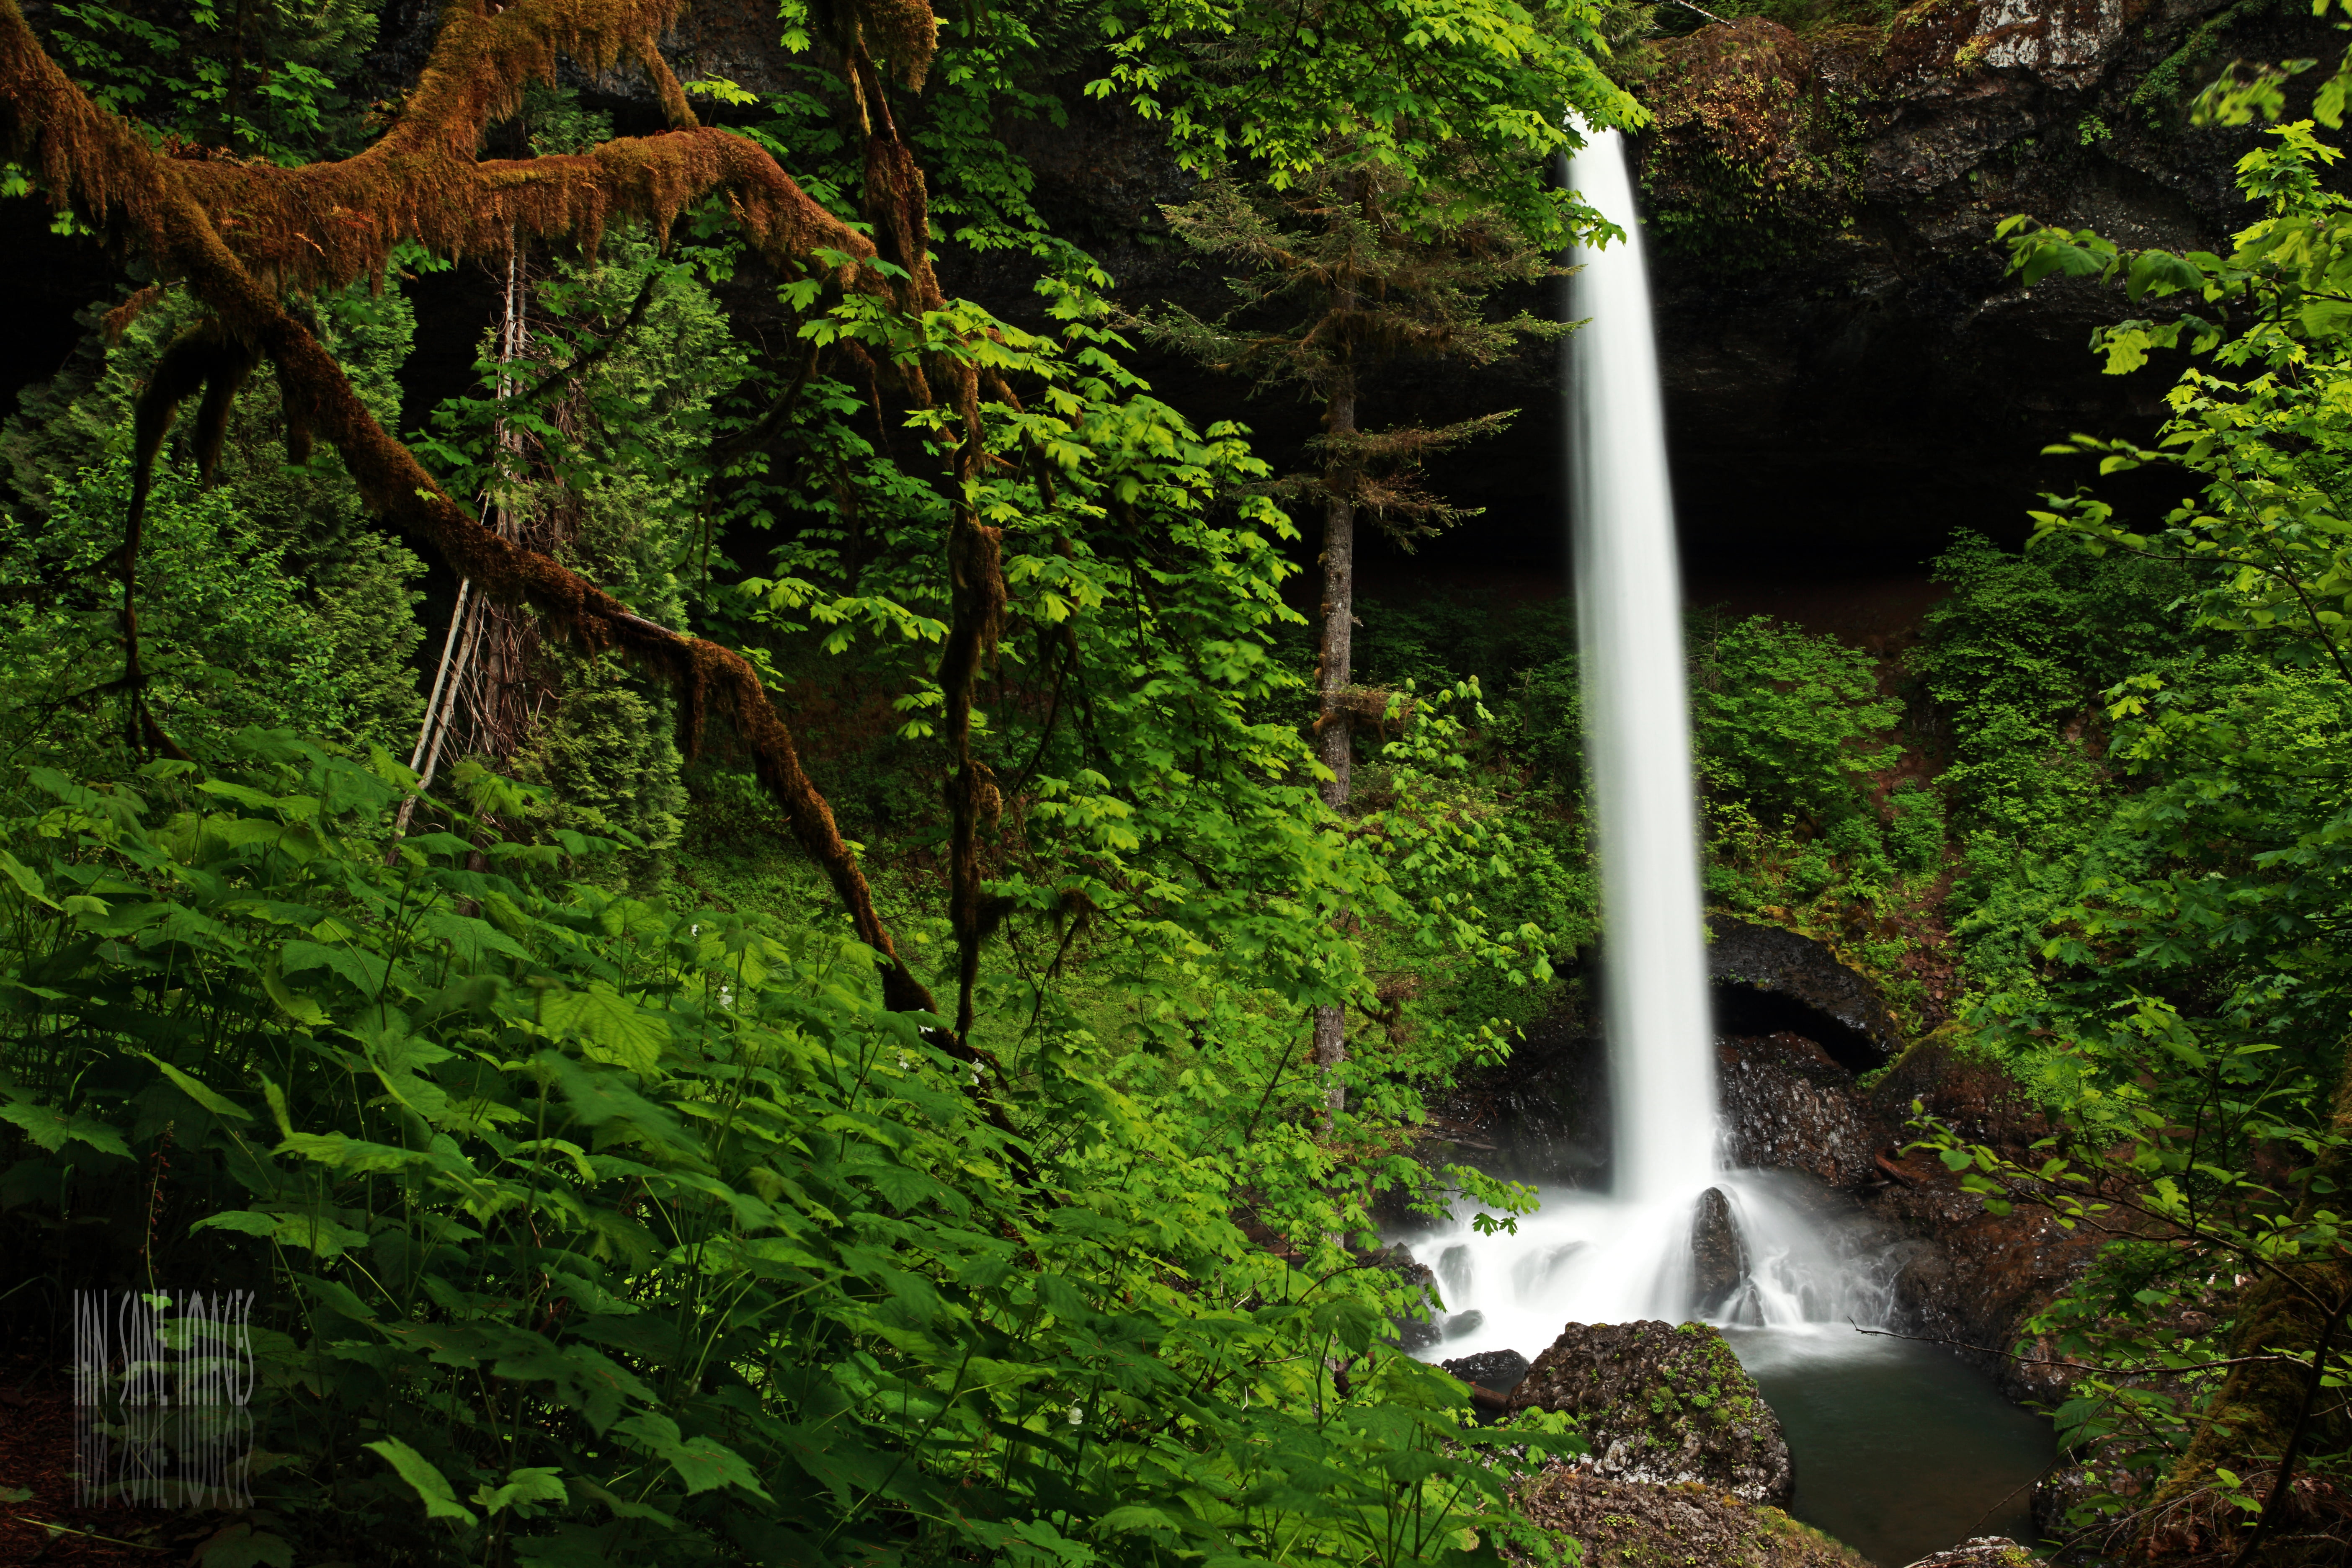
(356, 586)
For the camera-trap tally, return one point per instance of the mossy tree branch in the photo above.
(243, 235)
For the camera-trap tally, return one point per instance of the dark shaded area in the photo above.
(1742, 955)
(1749, 1010)
(1500, 1371)
(52, 279)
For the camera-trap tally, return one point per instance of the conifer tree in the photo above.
(1348, 277)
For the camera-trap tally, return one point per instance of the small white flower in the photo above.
(1078, 1416)
(906, 1062)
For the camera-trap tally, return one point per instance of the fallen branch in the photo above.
(2076, 1365)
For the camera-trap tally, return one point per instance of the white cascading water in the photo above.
(1587, 1257)
(1629, 610)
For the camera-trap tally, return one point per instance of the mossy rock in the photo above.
(1629, 1524)
(1984, 1552)
(1666, 1403)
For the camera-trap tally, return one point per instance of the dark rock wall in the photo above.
(1834, 1006)
(1790, 1107)
(1850, 377)
(1849, 372)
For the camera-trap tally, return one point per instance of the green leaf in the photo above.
(1135, 1516)
(338, 1297)
(300, 1006)
(598, 1098)
(311, 1232)
(198, 1092)
(25, 878)
(365, 971)
(702, 1463)
(53, 1129)
(610, 1027)
(440, 1500)
(537, 1483)
(470, 937)
(241, 1546)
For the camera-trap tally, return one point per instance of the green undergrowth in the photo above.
(617, 1228)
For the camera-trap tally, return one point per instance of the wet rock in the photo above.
(1982, 1551)
(1788, 1105)
(1980, 1274)
(1501, 1371)
(1719, 1258)
(1416, 1328)
(1626, 1524)
(1542, 1116)
(1462, 1325)
(1766, 971)
(1414, 1335)
(1666, 1404)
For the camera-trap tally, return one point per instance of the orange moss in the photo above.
(323, 225)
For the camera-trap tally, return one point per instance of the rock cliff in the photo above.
(1823, 204)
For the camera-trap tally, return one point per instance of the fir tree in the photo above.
(1350, 276)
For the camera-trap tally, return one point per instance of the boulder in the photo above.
(1982, 1551)
(1416, 1327)
(1662, 1403)
(1500, 1371)
(1462, 1325)
(1719, 1258)
(1625, 1524)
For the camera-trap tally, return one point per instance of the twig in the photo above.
(2078, 1365)
(93, 1535)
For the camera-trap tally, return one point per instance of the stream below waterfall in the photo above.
(1900, 1449)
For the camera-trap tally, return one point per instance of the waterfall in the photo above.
(1629, 607)
(1586, 1256)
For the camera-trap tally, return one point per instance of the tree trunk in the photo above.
(1335, 733)
(2262, 1414)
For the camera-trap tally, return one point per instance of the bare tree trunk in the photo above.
(1335, 732)
(467, 621)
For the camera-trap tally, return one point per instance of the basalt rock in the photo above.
(1416, 1328)
(1542, 1116)
(1501, 1371)
(1823, 205)
(1982, 1551)
(1666, 1404)
(1625, 1524)
(1788, 981)
(1719, 1258)
(1986, 1273)
(1788, 1105)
